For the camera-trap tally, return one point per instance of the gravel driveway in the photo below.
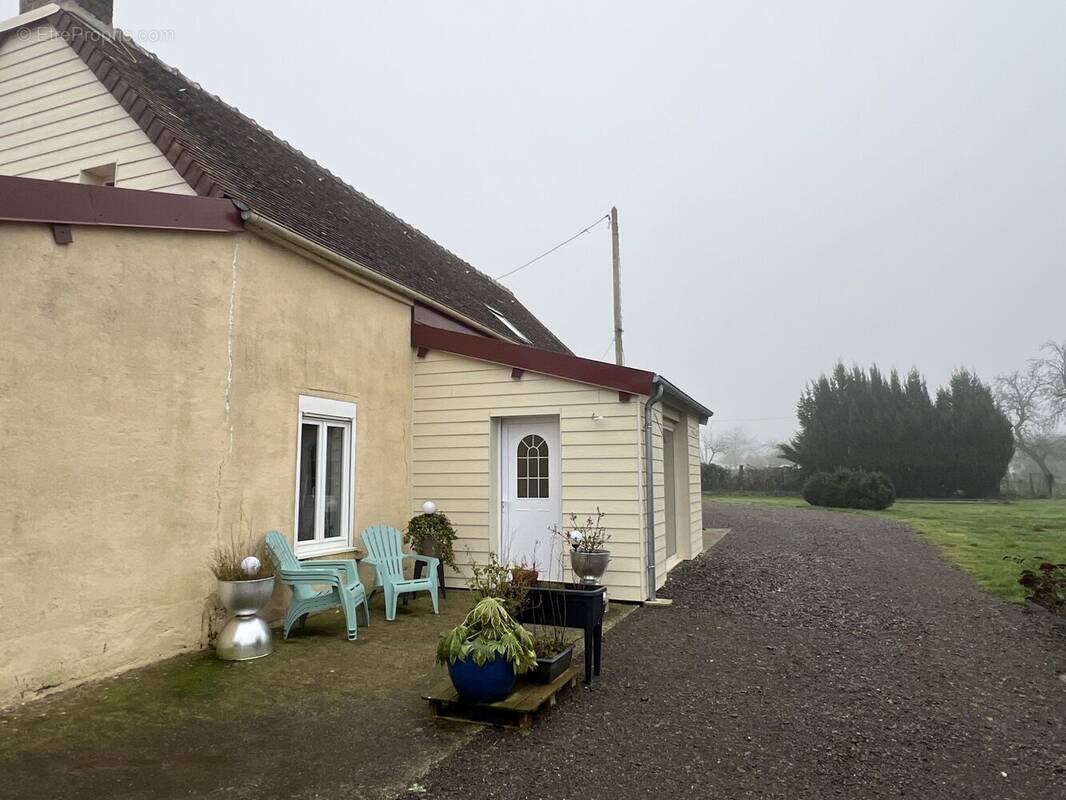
(808, 655)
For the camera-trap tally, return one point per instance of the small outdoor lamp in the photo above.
(429, 507)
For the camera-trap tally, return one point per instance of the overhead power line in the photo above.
(751, 419)
(607, 349)
(549, 252)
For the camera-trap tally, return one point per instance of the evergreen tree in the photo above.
(864, 420)
(976, 436)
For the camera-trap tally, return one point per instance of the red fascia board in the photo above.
(532, 359)
(423, 315)
(33, 200)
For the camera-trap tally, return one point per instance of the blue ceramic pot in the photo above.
(485, 684)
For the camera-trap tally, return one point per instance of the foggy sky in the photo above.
(797, 182)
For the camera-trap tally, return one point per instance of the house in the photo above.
(202, 327)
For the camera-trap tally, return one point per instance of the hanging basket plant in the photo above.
(432, 535)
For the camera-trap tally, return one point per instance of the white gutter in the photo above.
(363, 274)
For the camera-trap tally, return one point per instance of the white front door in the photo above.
(529, 494)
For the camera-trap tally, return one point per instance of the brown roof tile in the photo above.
(221, 152)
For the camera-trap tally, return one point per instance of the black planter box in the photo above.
(570, 605)
(548, 669)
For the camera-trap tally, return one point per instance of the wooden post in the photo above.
(616, 261)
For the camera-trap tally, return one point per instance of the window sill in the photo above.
(323, 549)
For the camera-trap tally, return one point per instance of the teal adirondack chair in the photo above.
(384, 544)
(341, 576)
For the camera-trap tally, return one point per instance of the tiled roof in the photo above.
(222, 153)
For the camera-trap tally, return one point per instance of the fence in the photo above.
(787, 479)
(750, 479)
(1030, 485)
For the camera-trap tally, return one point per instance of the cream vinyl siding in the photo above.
(695, 497)
(687, 547)
(57, 119)
(454, 464)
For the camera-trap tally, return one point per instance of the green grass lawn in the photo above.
(976, 535)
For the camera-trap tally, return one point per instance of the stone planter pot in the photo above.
(589, 567)
(246, 635)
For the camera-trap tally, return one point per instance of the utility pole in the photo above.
(619, 357)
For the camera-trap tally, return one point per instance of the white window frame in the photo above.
(321, 409)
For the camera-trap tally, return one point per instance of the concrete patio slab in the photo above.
(712, 536)
(321, 717)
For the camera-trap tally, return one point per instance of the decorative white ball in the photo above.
(429, 507)
(576, 537)
(251, 565)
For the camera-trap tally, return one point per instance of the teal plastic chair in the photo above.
(341, 576)
(384, 545)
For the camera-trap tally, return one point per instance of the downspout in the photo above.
(649, 481)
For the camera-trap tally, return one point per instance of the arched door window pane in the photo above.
(533, 467)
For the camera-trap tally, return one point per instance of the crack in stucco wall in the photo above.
(230, 325)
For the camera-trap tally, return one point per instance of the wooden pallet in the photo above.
(516, 711)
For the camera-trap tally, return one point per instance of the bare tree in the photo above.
(1021, 395)
(709, 445)
(735, 445)
(1051, 370)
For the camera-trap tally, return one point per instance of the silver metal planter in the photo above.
(246, 635)
(589, 567)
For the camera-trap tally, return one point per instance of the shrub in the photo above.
(848, 488)
(815, 487)
(1044, 582)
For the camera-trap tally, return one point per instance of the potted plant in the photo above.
(431, 534)
(245, 585)
(524, 574)
(545, 604)
(589, 555)
(485, 652)
(554, 654)
(495, 579)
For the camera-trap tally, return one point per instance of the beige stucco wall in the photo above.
(57, 119)
(149, 387)
(456, 400)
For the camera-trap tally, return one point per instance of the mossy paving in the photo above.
(321, 717)
(320, 714)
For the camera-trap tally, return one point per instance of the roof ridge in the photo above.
(128, 41)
